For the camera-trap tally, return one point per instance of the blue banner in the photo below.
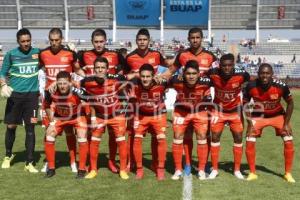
(186, 12)
(138, 12)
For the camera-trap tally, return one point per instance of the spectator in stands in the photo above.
(238, 60)
(294, 59)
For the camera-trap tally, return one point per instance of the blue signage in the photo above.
(186, 12)
(137, 12)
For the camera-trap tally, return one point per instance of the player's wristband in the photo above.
(52, 123)
(93, 118)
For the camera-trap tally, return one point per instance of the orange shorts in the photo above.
(78, 123)
(259, 123)
(117, 124)
(182, 120)
(218, 120)
(153, 124)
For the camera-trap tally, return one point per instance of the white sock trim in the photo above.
(138, 136)
(251, 139)
(177, 141)
(119, 139)
(96, 138)
(287, 138)
(215, 144)
(50, 138)
(161, 136)
(237, 145)
(202, 141)
(81, 140)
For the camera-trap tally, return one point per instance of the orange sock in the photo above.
(71, 143)
(138, 152)
(83, 150)
(202, 150)
(154, 151)
(112, 145)
(122, 153)
(130, 141)
(251, 155)
(50, 154)
(94, 150)
(188, 149)
(288, 155)
(215, 151)
(237, 154)
(162, 151)
(177, 150)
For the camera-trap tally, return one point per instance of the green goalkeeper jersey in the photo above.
(21, 69)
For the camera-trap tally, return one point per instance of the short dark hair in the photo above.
(191, 64)
(98, 32)
(228, 56)
(196, 30)
(56, 31)
(265, 65)
(147, 67)
(103, 60)
(23, 31)
(143, 31)
(63, 74)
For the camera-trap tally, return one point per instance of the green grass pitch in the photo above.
(17, 184)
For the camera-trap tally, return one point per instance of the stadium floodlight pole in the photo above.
(257, 21)
(114, 21)
(161, 22)
(19, 14)
(67, 28)
(209, 21)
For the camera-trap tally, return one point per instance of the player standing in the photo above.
(54, 59)
(116, 62)
(193, 95)
(227, 82)
(134, 60)
(206, 60)
(266, 93)
(19, 82)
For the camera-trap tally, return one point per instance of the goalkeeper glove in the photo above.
(5, 90)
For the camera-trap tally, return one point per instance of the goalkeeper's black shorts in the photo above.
(22, 108)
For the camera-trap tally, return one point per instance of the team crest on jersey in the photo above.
(274, 96)
(204, 62)
(109, 59)
(151, 60)
(235, 85)
(35, 56)
(64, 59)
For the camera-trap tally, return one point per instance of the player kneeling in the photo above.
(190, 108)
(65, 111)
(150, 115)
(266, 94)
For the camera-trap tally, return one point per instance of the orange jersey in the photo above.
(87, 58)
(134, 61)
(227, 92)
(205, 59)
(149, 101)
(191, 99)
(104, 96)
(64, 60)
(267, 100)
(64, 106)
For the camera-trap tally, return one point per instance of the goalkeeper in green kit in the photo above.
(19, 84)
